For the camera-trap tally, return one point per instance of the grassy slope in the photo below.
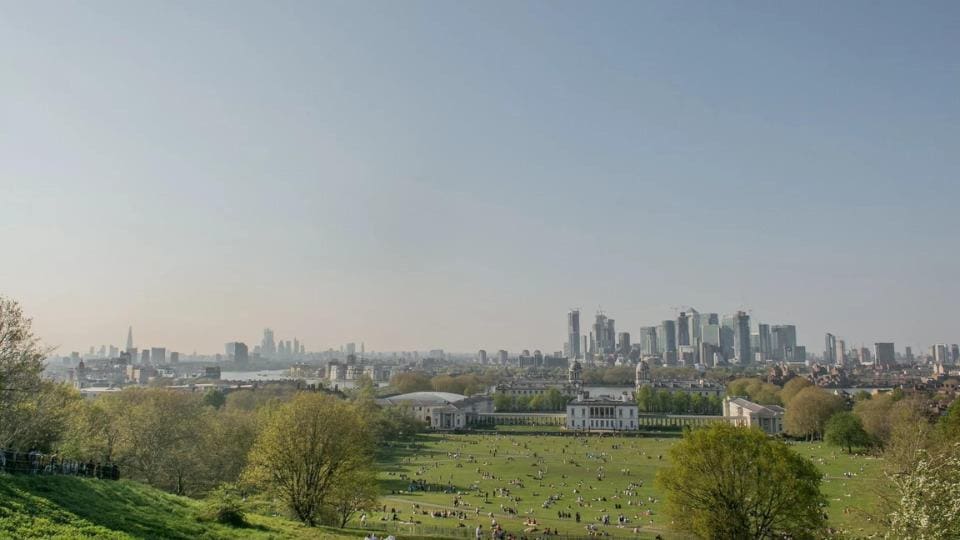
(65, 507)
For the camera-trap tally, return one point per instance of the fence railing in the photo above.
(36, 463)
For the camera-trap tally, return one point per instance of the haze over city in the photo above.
(458, 176)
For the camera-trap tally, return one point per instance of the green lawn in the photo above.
(472, 465)
(68, 507)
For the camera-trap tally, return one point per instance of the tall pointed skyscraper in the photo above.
(129, 338)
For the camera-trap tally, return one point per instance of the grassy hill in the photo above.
(68, 507)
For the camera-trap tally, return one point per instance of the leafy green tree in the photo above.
(556, 400)
(875, 414)
(645, 399)
(681, 403)
(792, 388)
(411, 381)
(214, 398)
(948, 428)
(32, 410)
(307, 448)
(355, 493)
(731, 482)
(809, 411)
(844, 429)
(502, 402)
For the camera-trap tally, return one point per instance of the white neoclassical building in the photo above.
(769, 418)
(602, 413)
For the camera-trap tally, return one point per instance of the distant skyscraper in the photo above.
(765, 345)
(841, 353)
(648, 341)
(830, 350)
(573, 333)
(174, 357)
(667, 337)
(158, 355)
(683, 329)
(503, 357)
(237, 352)
(908, 354)
(955, 353)
(611, 338)
(129, 338)
(783, 338)
(482, 356)
(941, 354)
(696, 330)
(886, 357)
(735, 337)
(351, 348)
(145, 357)
(268, 347)
(623, 343)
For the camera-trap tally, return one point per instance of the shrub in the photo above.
(224, 505)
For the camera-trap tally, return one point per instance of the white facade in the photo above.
(602, 414)
(769, 418)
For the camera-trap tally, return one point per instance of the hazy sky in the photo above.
(459, 174)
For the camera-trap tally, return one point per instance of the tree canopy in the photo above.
(733, 482)
(808, 412)
(307, 448)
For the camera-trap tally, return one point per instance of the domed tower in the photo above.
(575, 375)
(643, 373)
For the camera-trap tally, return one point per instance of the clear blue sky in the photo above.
(458, 175)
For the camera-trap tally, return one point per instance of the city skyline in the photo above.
(445, 175)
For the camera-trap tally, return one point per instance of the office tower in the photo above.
(296, 347)
(351, 349)
(667, 337)
(648, 341)
(623, 343)
(129, 338)
(237, 352)
(710, 318)
(289, 348)
(885, 355)
(709, 352)
(683, 329)
(503, 357)
(695, 327)
(841, 353)
(830, 350)
(763, 335)
(735, 337)
(158, 355)
(585, 345)
(727, 332)
(174, 357)
(268, 347)
(955, 353)
(573, 334)
(863, 356)
(710, 334)
(611, 338)
(113, 351)
(145, 357)
(941, 354)
(482, 356)
(783, 341)
(908, 354)
(800, 354)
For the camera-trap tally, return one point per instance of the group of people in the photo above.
(34, 462)
(557, 493)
